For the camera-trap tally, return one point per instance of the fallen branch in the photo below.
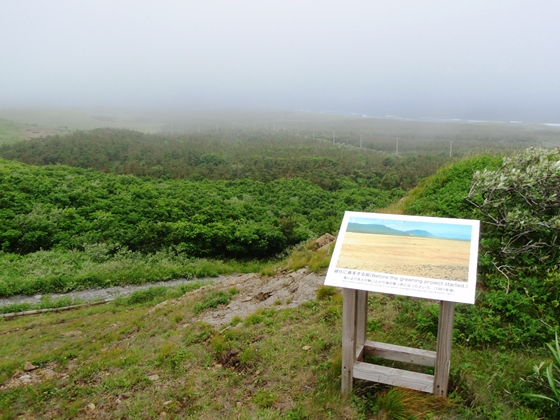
(64, 308)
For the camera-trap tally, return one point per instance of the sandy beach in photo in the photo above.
(436, 258)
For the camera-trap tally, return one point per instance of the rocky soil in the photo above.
(255, 292)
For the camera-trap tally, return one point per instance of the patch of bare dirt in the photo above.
(286, 289)
(32, 375)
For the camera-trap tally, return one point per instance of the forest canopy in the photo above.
(264, 156)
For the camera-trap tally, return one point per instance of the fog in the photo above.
(470, 59)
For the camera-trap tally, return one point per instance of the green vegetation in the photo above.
(520, 206)
(443, 194)
(137, 359)
(516, 310)
(551, 377)
(46, 303)
(517, 302)
(60, 271)
(263, 157)
(214, 300)
(134, 358)
(67, 228)
(10, 131)
(204, 205)
(67, 208)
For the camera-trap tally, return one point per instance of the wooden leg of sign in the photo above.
(361, 322)
(348, 339)
(443, 351)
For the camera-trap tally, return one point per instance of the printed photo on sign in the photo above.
(426, 257)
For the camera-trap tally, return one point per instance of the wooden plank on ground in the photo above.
(400, 353)
(11, 315)
(395, 377)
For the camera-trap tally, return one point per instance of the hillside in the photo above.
(167, 361)
(384, 230)
(248, 346)
(271, 339)
(57, 206)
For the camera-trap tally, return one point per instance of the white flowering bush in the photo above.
(516, 198)
(520, 206)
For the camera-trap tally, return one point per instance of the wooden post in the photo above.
(348, 339)
(361, 322)
(355, 347)
(443, 350)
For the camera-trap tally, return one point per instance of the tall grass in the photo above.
(60, 271)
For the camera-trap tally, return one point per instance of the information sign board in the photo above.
(425, 257)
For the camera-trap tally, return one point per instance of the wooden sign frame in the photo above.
(355, 347)
(407, 248)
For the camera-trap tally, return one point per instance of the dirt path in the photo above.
(99, 294)
(286, 289)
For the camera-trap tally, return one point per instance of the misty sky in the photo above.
(476, 59)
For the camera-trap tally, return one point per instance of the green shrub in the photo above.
(550, 379)
(443, 194)
(516, 198)
(212, 301)
(519, 204)
(325, 292)
(143, 296)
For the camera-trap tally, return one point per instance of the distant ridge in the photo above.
(384, 230)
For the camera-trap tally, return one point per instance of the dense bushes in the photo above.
(520, 209)
(520, 206)
(60, 207)
(519, 282)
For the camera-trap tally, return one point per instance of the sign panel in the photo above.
(425, 257)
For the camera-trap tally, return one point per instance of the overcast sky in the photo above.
(476, 59)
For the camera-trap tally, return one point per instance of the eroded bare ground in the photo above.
(255, 292)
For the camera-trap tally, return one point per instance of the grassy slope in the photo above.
(134, 359)
(139, 360)
(10, 131)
